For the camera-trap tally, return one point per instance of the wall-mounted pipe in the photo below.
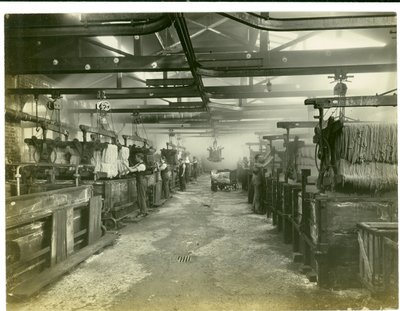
(313, 23)
(22, 116)
(76, 175)
(88, 30)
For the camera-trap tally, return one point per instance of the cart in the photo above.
(225, 180)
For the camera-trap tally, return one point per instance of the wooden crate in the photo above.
(333, 241)
(391, 268)
(43, 230)
(378, 256)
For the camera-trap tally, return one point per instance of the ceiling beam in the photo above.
(313, 23)
(219, 92)
(226, 94)
(267, 136)
(167, 117)
(112, 93)
(297, 124)
(333, 57)
(142, 109)
(297, 71)
(185, 104)
(199, 125)
(299, 39)
(107, 47)
(289, 61)
(196, 34)
(86, 65)
(170, 82)
(211, 28)
(109, 65)
(353, 101)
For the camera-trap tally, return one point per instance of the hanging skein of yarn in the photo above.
(109, 161)
(96, 161)
(367, 142)
(123, 160)
(372, 176)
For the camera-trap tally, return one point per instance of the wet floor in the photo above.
(200, 251)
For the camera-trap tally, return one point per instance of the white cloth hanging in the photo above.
(109, 161)
(123, 160)
(96, 161)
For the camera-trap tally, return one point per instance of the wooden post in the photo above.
(304, 224)
(273, 202)
(58, 237)
(287, 198)
(94, 232)
(70, 231)
(107, 196)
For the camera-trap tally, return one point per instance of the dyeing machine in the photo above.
(324, 216)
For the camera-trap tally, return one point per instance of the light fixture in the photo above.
(340, 89)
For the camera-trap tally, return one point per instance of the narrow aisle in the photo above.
(231, 260)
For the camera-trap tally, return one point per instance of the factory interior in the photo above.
(201, 161)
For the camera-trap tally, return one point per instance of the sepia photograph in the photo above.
(165, 157)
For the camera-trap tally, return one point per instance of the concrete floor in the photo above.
(237, 262)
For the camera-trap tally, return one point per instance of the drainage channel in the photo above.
(184, 258)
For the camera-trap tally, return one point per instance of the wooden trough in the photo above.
(332, 246)
(378, 266)
(119, 197)
(48, 233)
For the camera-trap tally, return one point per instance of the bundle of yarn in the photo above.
(366, 156)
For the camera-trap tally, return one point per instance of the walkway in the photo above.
(232, 260)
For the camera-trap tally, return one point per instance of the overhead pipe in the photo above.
(22, 116)
(90, 30)
(184, 37)
(313, 23)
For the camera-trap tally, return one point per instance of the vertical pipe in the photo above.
(119, 80)
(137, 45)
(273, 156)
(18, 177)
(287, 155)
(76, 175)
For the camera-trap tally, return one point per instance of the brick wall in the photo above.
(13, 139)
(14, 142)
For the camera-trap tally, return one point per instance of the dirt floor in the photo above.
(232, 260)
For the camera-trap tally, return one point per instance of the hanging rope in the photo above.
(112, 121)
(36, 97)
(145, 133)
